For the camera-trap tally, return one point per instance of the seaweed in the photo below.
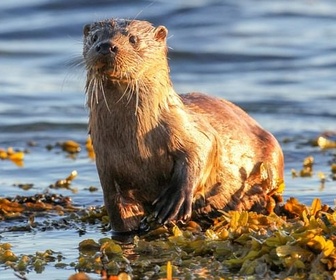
(297, 242)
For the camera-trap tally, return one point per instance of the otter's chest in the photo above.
(132, 154)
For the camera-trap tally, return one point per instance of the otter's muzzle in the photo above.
(106, 48)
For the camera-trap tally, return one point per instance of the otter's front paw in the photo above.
(173, 204)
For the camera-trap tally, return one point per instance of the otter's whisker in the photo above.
(91, 96)
(131, 92)
(89, 90)
(124, 93)
(136, 97)
(104, 95)
(94, 90)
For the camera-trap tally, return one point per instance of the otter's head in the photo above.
(125, 50)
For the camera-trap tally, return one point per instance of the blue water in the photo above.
(276, 59)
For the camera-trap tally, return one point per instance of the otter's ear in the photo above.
(160, 33)
(86, 29)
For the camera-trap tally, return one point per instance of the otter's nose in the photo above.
(106, 48)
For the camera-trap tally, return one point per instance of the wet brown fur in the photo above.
(166, 154)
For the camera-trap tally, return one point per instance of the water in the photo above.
(276, 59)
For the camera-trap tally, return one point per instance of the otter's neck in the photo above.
(137, 105)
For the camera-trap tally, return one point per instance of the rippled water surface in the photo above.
(276, 59)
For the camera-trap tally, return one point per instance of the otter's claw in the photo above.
(144, 224)
(173, 205)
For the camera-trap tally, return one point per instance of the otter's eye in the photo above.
(94, 38)
(133, 39)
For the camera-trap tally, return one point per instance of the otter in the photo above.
(161, 154)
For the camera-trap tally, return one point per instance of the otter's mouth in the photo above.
(103, 64)
(106, 69)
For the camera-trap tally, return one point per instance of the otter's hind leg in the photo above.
(258, 191)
